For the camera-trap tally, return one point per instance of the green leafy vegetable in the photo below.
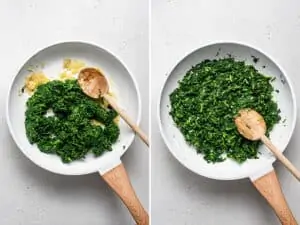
(59, 120)
(209, 97)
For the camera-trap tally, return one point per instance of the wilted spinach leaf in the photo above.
(69, 131)
(207, 99)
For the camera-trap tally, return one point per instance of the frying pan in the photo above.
(260, 171)
(122, 84)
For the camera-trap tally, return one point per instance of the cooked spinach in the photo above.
(208, 98)
(59, 120)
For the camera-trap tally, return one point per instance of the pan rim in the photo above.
(173, 67)
(36, 52)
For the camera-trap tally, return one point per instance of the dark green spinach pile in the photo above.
(209, 97)
(69, 132)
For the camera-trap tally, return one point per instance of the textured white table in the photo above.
(180, 197)
(29, 195)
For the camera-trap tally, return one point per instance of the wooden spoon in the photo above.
(94, 84)
(252, 126)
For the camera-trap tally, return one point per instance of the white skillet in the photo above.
(122, 83)
(260, 171)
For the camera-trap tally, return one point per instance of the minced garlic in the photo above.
(73, 65)
(34, 80)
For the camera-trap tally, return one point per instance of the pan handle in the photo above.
(269, 186)
(118, 180)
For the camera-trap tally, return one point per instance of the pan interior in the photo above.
(228, 170)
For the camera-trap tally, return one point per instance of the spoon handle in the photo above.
(118, 180)
(127, 119)
(287, 163)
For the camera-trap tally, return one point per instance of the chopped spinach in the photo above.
(208, 98)
(67, 130)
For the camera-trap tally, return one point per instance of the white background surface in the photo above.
(28, 194)
(180, 197)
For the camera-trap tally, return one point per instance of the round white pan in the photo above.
(260, 171)
(122, 83)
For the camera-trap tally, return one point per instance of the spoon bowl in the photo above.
(250, 124)
(93, 83)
